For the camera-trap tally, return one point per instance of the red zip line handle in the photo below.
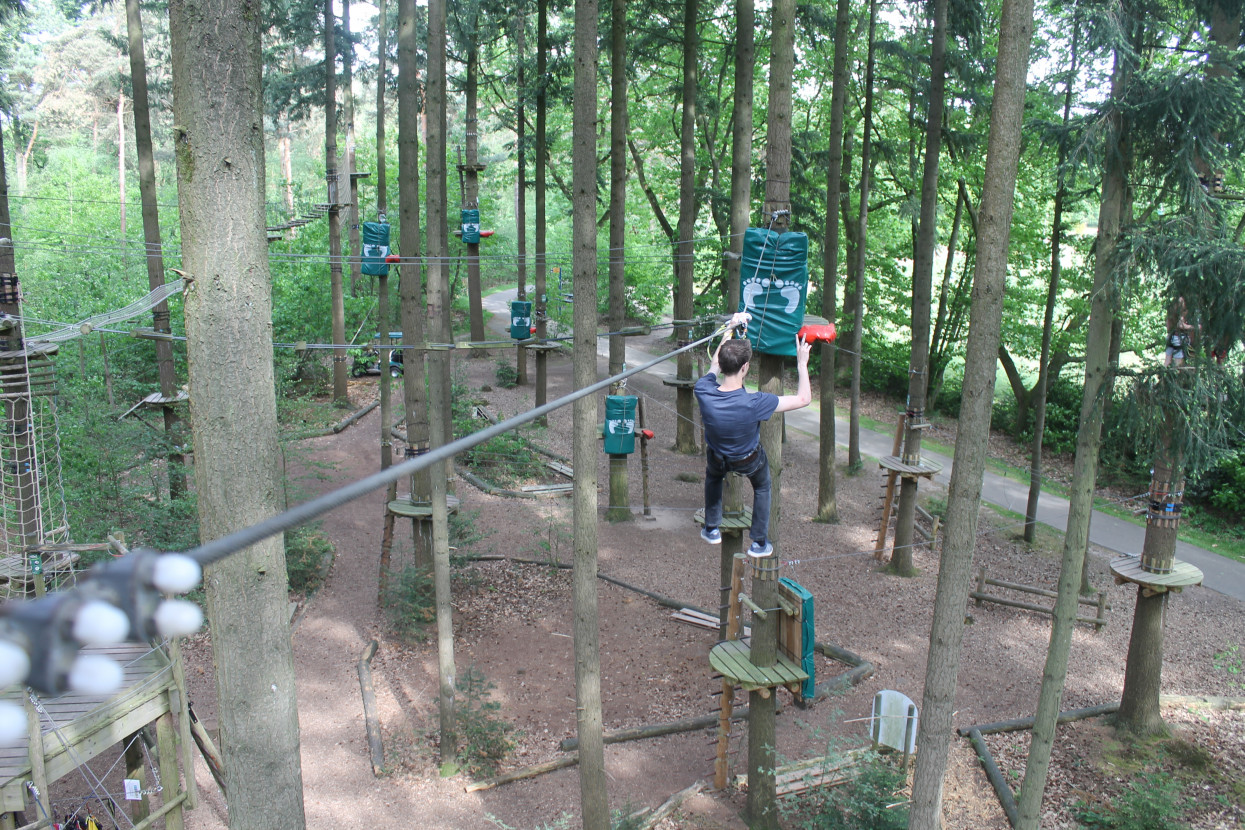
(817, 333)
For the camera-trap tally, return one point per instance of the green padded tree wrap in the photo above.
(773, 288)
(620, 424)
(375, 249)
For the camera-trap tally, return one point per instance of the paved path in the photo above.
(1222, 574)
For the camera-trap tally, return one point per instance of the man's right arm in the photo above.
(804, 394)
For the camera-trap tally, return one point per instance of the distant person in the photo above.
(732, 417)
(1179, 334)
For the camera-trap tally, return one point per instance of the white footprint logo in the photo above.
(755, 286)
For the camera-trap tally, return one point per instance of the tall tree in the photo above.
(685, 249)
(964, 494)
(152, 246)
(827, 498)
(1104, 301)
(520, 185)
(228, 308)
(922, 288)
(540, 307)
(592, 790)
(336, 289)
(439, 366)
(382, 86)
(619, 509)
(471, 169)
(352, 211)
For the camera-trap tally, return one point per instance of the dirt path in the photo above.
(512, 624)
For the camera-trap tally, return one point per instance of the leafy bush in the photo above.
(484, 739)
(507, 375)
(884, 366)
(308, 553)
(874, 800)
(410, 602)
(1152, 802)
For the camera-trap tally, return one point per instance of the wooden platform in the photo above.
(1128, 569)
(731, 522)
(83, 726)
(16, 578)
(731, 660)
(896, 464)
(410, 510)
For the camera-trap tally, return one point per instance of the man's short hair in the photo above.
(733, 355)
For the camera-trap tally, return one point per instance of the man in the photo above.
(732, 417)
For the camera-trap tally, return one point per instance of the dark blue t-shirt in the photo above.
(732, 419)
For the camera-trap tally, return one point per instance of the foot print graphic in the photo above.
(755, 285)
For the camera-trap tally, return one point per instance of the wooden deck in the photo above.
(731, 660)
(78, 727)
(1128, 569)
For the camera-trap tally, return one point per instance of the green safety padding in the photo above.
(375, 249)
(620, 424)
(807, 661)
(520, 319)
(471, 226)
(773, 287)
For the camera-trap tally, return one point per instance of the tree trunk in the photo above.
(121, 162)
(541, 305)
(1139, 711)
(284, 151)
(827, 498)
(338, 299)
(964, 494)
(152, 245)
(854, 463)
(588, 717)
(382, 83)
(1048, 317)
(439, 367)
(922, 289)
(741, 145)
(619, 509)
(353, 254)
(471, 184)
(520, 186)
(685, 255)
(1098, 371)
(410, 284)
(218, 106)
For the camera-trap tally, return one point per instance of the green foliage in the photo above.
(1231, 662)
(410, 602)
(874, 800)
(484, 739)
(554, 538)
(507, 375)
(504, 459)
(1152, 802)
(308, 554)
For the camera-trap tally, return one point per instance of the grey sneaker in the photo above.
(712, 535)
(759, 550)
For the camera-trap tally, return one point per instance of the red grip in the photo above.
(393, 259)
(647, 433)
(818, 333)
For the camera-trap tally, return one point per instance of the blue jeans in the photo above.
(757, 472)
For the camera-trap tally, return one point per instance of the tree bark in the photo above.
(922, 289)
(541, 305)
(741, 145)
(592, 786)
(471, 180)
(1098, 371)
(152, 245)
(337, 299)
(218, 106)
(520, 187)
(854, 463)
(619, 509)
(685, 255)
(1139, 711)
(353, 255)
(439, 367)
(827, 498)
(382, 83)
(964, 494)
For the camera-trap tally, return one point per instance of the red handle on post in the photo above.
(818, 333)
(393, 259)
(647, 433)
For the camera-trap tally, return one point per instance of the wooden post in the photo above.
(183, 722)
(103, 350)
(166, 750)
(38, 771)
(720, 770)
(135, 769)
(981, 584)
(889, 496)
(909, 724)
(1102, 611)
(648, 510)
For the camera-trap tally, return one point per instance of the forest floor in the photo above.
(513, 627)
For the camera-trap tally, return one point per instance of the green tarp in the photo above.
(520, 319)
(620, 424)
(471, 226)
(375, 249)
(773, 287)
(807, 660)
